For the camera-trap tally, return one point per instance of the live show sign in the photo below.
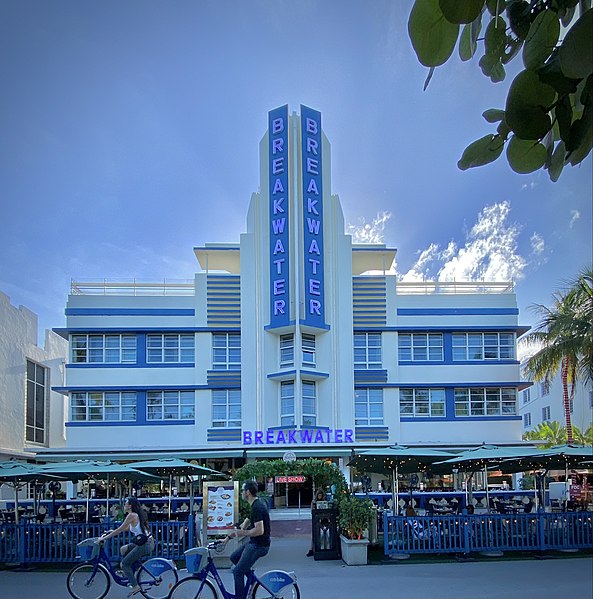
(290, 479)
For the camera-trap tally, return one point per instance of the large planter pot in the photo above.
(354, 552)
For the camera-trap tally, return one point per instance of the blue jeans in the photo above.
(133, 554)
(244, 557)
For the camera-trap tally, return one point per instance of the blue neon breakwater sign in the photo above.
(279, 217)
(298, 437)
(311, 160)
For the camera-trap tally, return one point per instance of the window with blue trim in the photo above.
(287, 417)
(226, 408)
(309, 391)
(103, 349)
(483, 346)
(226, 351)
(286, 350)
(546, 413)
(308, 349)
(170, 348)
(35, 402)
(170, 405)
(526, 394)
(103, 406)
(422, 402)
(420, 347)
(526, 419)
(485, 401)
(368, 407)
(367, 351)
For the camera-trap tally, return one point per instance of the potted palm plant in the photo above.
(354, 517)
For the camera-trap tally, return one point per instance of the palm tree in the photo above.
(564, 337)
(552, 432)
(583, 437)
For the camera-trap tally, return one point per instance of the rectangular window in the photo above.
(420, 347)
(309, 403)
(526, 419)
(287, 417)
(286, 350)
(483, 346)
(308, 349)
(103, 406)
(36, 393)
(103, 349)
(526, 395)
(170, 405)
(368, 407)
(367, 351)
(545, 413)
(422, 402)
(545, 387)
(170, 348)
(489, 401)
(226, 351)
(226, 408)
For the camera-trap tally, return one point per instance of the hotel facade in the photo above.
(292, 339)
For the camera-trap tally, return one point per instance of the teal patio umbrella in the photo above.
(398, 459)
(483, 458)
(104, 470)
(170, 467)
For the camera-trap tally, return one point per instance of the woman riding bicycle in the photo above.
(136, 521)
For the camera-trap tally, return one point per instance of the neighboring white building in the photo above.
(32, 415)
(542, 402)
(293, 339)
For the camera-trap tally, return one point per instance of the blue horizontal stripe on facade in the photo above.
(130, 312)
(133, 365)
(455, 362)
(457, 418)
(456, 311)
(103, 423)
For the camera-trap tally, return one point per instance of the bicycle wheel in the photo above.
(189, 588)
(290, 591)
(83, 584)
(157, 585)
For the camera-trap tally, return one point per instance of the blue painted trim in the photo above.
(458, 385)
(130, 312)
(217, 248)
(132, 365)
(455, 311)
(284, 373)
(321, 375)
(437, 329)
(454, 362)
(270, 327)
(64, 332)
(321, 327)
(75, 388)
(103, 423)
(458, 418)
(385, 249)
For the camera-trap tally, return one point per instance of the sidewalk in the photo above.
(332, 579)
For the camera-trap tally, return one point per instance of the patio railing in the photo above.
(29, 543)
(487, 532)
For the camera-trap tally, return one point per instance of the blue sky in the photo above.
(130, 134)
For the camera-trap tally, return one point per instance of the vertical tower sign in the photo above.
(279, 221)
(313, 217)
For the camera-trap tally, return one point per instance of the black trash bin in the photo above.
(324, 529)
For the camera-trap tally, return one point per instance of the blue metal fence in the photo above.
(28, 543)
(487, 532)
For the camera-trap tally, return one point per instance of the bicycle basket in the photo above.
(89, 548)
(195, 559)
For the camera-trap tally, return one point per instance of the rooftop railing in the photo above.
(133, 287)
(453, 287)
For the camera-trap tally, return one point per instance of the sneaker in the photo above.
(310, 553)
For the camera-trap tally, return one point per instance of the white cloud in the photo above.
(373, 232)
(574, 216)
(537, 243)
(489, 253)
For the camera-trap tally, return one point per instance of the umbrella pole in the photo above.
(396, 506)
(88, 498)
(486, 483)
(170, 491)
(566, 487)
(393, 492)
(107, 507)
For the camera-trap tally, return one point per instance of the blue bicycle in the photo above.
(92, 579)
(275, 584)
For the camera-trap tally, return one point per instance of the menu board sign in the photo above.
(221, 506)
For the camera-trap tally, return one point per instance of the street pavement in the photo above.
(332, 579)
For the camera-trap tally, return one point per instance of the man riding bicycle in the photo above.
(257, 528)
